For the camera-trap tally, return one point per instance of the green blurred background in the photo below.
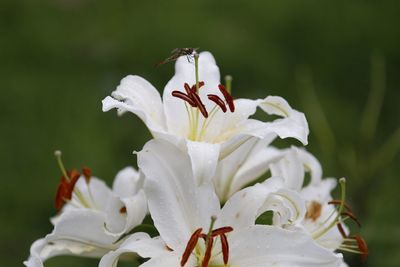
(338, 61)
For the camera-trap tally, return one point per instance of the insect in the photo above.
(178, 52)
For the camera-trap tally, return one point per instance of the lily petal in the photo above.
(138, 244)
(204, 159)
(127, 182)
(136, 95)
(84, 226)
(293, 124)
(255, 165)
(173, 199)
(260, 246)
(123, 214)
(290, 168)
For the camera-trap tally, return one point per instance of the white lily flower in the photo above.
(91, 223)
(201, 117)
(196, 231)
(322, 220)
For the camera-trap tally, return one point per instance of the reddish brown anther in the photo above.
(225, 248)
(189, 90)
(228, 97)
(222, 230)
(184, 97)
(200, 105)
(341, 230)
(207, 254)
(209, 241)
(87, 173)
(352, 216)
(201, 84)
(65, 188)
(362, 246)
(217, 100)
(190, 246)
(339, 202)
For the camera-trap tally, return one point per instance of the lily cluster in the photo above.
(216, 192)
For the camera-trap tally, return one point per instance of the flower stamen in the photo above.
(207, 254)
(66, 186)
(200, 105)
(184, 97)
(217, 100)
(341, 216)
(190, 246)
(225, 248)
(209, 239)
(228, 97)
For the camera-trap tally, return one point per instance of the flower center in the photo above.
(66, 187)
(194, 104)
(356, 243)
(209, 240)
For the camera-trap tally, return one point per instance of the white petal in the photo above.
(343, 264)
(204, 159)
(136, 210)
(169, 260)
(173, 197)
(293, 124)
(260, 246)
(35, 260)
(290, 168)
(96, 193)
(242, 209)
(138, 243)
(255, 165)
(127, 182)
(229, 165)
(136, 95)
(311, 165)
(223, 126)
(320, 192)
(115, 220)
(118, 222)
(42, 250)
(287, 205)
(83, 226)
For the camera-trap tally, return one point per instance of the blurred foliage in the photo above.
(338, 61)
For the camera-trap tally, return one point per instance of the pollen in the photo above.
(65, 188)
(314, 211)
(122, 210)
